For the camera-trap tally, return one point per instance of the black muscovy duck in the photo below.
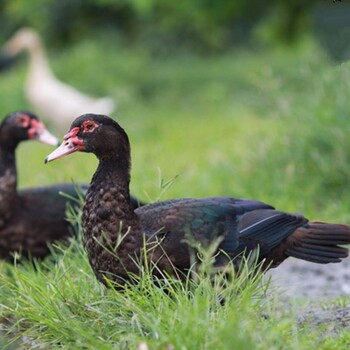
(115, 233)
(30, 218)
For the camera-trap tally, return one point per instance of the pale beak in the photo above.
(46, 137)
(66, 147)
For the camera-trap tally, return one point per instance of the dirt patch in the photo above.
(332, 319)
(317, 285)
(301, 279)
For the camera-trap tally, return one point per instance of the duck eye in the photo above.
(89, 126)
(22, 120)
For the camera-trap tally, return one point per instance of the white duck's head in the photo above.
(24, 39)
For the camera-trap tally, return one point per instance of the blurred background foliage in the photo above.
(239, 98)
(197, 24)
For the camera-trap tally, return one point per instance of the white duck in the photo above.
(50, 97)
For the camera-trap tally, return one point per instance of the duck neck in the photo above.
(38, 63)
(108, 200)
(116, 182)
(8, 183)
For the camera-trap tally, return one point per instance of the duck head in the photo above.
(94, 133)
(24, 125)
(23, 39)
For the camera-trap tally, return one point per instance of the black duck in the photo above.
(33, 217)
(114, 233)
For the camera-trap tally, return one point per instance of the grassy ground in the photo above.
(267, 124)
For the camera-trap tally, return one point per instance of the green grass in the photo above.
(271, 125)
(61, 305)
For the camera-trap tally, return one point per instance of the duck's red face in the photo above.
(73, 141)
(25, 125)
(97, 134)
